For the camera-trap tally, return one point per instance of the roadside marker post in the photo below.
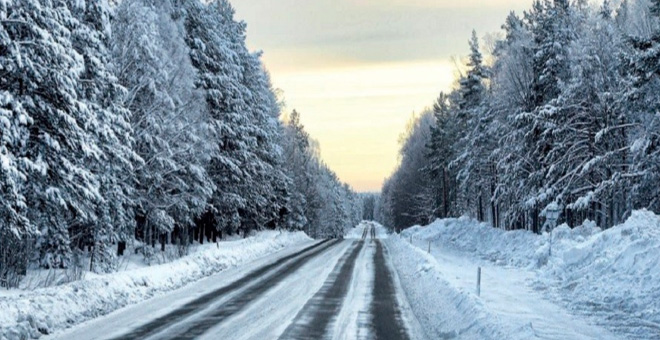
(429, 246)
(479, 281)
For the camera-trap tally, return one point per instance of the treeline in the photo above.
(562, 112)
(144, 122)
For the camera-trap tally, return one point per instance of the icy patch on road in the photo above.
(612, 276)
(42, 311)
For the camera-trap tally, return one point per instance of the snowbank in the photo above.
(468, 235)
(443, 311)
(42, 311)
(612, 276)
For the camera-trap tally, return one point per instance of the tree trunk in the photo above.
(153, 236)
(445, 193)
(91, 261)
(121, 247)
(480, 213)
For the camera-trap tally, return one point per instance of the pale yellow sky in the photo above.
(357, 70)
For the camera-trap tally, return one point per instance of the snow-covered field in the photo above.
(582, 283)
(29, 314)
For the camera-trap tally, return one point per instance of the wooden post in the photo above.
(479, 281)
(429, 246)
(410, 238)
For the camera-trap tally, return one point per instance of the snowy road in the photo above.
(328, 290)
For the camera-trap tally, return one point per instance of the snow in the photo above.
(268, 316)
(356, 232)
(570, 284)
(353, 318)
(442, 310)
(353, 321)
(44, 311)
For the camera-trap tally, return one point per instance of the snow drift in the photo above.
(443, 311)
(43, 311)
(612, 276)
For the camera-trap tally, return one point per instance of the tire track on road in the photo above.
(387, 322)
(207, 320)
(190, 308)
(313, 321)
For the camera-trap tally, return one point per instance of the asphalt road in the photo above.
(314, 319)
(333, 289)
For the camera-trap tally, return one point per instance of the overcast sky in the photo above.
(357, 70)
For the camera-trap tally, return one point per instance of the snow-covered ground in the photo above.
(30, 314)
(267, 315)
(573, 284)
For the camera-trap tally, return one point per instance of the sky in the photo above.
(357, 70)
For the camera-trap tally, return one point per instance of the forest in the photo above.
(136, 124)
(559, 112)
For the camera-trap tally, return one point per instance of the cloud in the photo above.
(357, 69)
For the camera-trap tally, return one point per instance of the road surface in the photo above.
(333, 289)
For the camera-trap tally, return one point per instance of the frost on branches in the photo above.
(132, 124)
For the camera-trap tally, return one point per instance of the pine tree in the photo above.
(173, 135)
(550, 24)
(440, 155)
(643, 101)
(42, 75)
(296, 155)
(472, 161)
(217, 44)
(109, 129)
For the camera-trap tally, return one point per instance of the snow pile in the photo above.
(465, 234)
(612, 276)
(443, 311)
(42, 311)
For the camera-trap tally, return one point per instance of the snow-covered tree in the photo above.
(565, 115)
(173, 134)
(217, 44)
(475, 174)
(319, 203)
(41, 71)
(407, 197)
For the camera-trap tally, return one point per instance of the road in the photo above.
(332, 289)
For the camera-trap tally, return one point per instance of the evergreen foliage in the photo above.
(144, 122)
(566, 114)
